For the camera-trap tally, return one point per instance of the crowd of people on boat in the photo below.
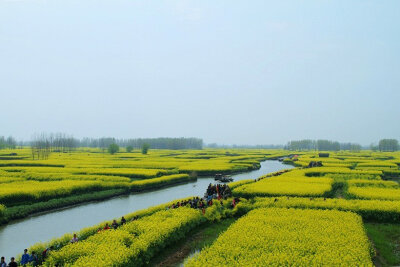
(214, 192)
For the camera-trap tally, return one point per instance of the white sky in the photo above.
(243, 72)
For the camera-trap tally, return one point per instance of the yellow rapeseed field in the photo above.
(376, 210)
(374, 193)
(290, 237)
(293, 183)
(130, 245)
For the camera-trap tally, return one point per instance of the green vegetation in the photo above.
(113, 148)
(145, 148)
(386, 239)
(9, 142)
(388, 145)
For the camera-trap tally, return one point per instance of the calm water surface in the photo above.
(21, 234)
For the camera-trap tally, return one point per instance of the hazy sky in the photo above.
(244, 72)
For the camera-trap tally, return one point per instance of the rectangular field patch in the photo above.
(290, 237)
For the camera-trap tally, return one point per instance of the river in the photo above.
(17, 235)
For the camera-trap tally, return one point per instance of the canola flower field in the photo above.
(281, 237)
(373, 210)
(292, 183)
(132, 244)
(307, 216)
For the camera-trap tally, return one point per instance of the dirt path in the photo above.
(182, 251)
(175, 254)
(377, 259)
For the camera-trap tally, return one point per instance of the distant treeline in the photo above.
(215, 145)
(156, 143)
(43, 144)
(327, 145)
(308, 144)
(387, 145)
(60, 142)
(8, 142)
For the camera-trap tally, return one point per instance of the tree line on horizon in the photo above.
(385, 145)
(137, 143)
(8, 142)
(43, 144)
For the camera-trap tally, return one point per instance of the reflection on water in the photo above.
(18, 235)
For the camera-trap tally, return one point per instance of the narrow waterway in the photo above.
(16, 236)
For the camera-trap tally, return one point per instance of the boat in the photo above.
(223, 178)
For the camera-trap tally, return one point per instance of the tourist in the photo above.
(114, 224)
(12, 263)
(227, 192)
(201, 204)
(106, 227)
(25, 257)
(74, 239)
(209, 189)
(123, 221)
(3, 262)
(46, 252)
(33, 259)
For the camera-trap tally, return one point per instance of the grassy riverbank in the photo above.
(22, 211)
(386, 240)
